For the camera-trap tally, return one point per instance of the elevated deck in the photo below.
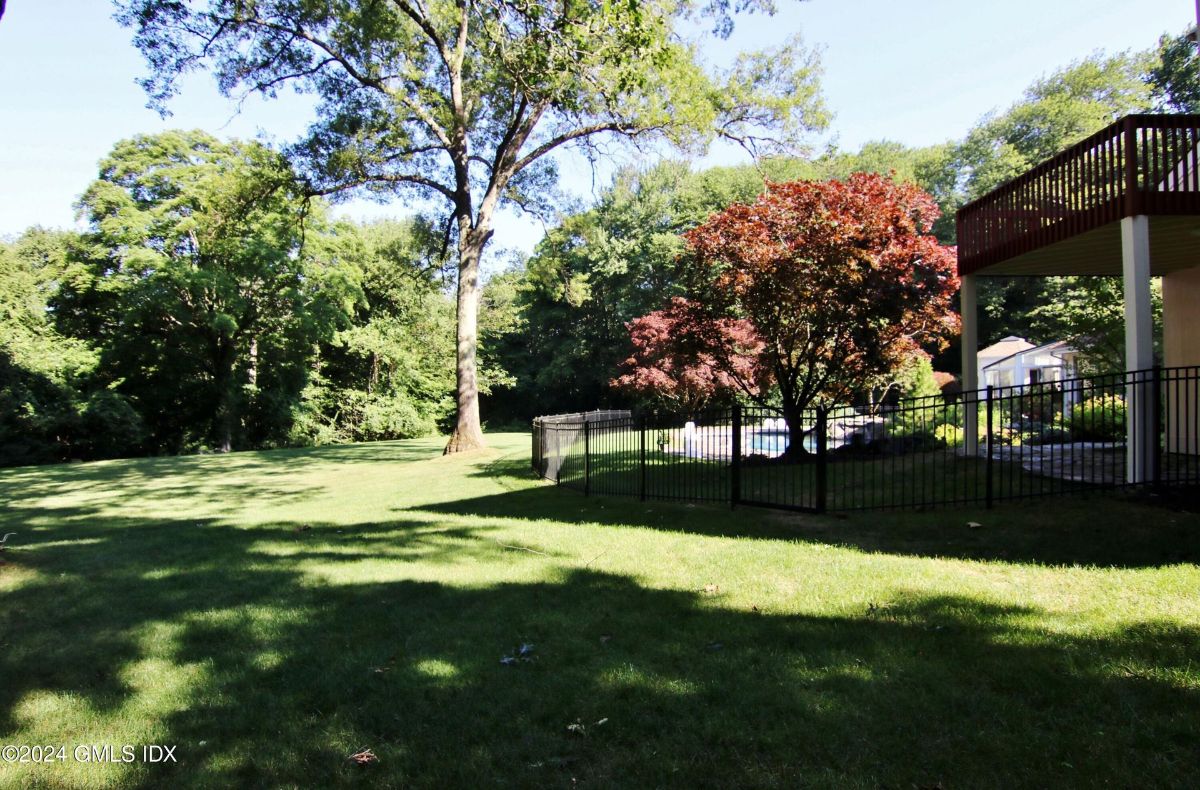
(1063, 216)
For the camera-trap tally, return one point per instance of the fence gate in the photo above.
(769, 469)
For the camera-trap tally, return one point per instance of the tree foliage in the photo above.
(677, 367)
(53, 405)
(460, 102)
(210, 304)
(839, 281)
(1055, 111)
(1175, 78)
(1089, 313)
(197, 286)
(600, 269)
(387, 374)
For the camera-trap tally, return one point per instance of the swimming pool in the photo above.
(773, 441)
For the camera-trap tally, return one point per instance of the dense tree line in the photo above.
(600, 269)
(211, 304)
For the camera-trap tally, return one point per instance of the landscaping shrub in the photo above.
(1099, 419)
(949, 435)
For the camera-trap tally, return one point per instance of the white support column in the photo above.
(1139, 347)
(968, 310)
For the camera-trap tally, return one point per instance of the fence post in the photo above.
(557, 457)
(587, 457)
(1156, 425)
(735, 466)
(642, 457)
(821, 459)
(988, 489)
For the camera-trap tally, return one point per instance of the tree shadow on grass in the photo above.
(287, 660)
(1104, 529)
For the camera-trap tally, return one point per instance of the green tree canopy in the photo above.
(1175, 79)
(1089, 313)
(389, 372)
(52, 407)
(460, 102)
(1056, 111)
(197, 285)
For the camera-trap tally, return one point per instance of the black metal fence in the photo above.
(1000, 443)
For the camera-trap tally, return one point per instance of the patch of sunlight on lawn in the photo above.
(436, 669)
(153, 689)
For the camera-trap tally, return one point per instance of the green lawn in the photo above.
(270, 614)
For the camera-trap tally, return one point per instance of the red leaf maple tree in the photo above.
(809, 295)
(684, 362)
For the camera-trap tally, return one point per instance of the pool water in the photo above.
(775, 442)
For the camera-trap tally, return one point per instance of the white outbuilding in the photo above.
(1014, 361)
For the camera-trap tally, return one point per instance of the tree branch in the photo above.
(352, 70)
(393, 178)
(418, 15)
(575, 134)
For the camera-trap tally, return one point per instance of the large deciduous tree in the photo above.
(838, 279)
(461, 101)
(196, 286)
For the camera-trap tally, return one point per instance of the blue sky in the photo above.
(918, 72)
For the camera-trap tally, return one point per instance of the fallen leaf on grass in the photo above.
(712, 588)
(363, 757)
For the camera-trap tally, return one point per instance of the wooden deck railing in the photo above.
(1142, 164)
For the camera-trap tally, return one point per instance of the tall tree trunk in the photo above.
(224, 358)
(468, 433)
(223, 422)
(252, 371)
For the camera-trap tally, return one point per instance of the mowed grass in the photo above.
(271, 614)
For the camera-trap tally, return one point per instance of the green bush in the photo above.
(949, 434)
(109, 426)
(1099, 419)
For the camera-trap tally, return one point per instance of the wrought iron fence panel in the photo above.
(1000, 443)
